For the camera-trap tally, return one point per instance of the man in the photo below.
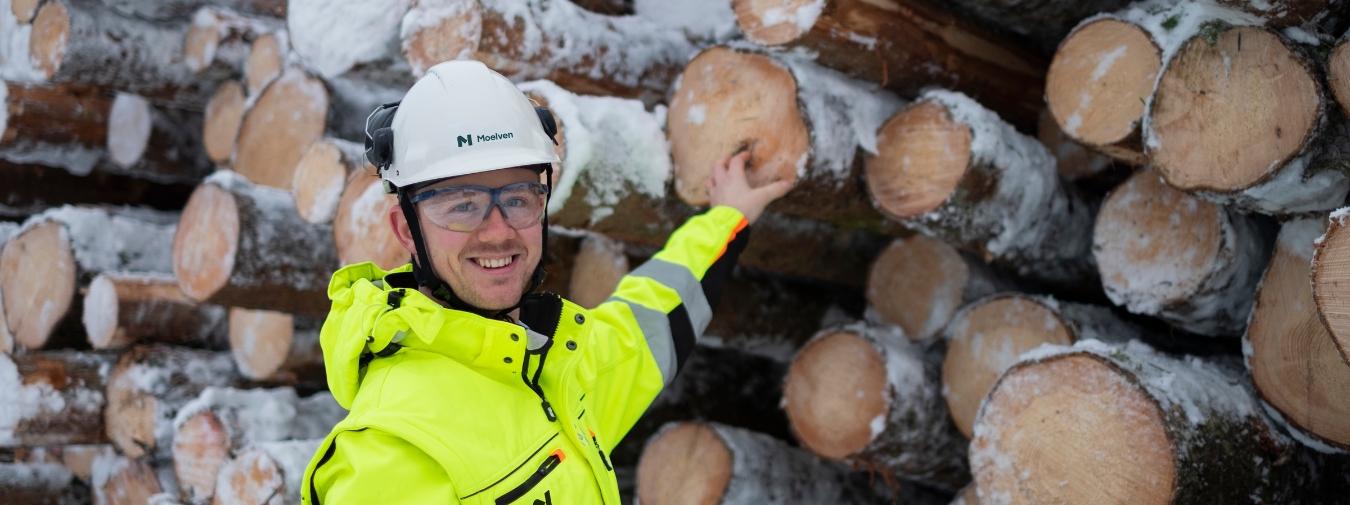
(462, 386)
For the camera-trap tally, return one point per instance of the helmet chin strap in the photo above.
(425, 274)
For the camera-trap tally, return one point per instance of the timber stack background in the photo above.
(1060, 252)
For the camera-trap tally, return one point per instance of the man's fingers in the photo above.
(774, 190)
(736, 167)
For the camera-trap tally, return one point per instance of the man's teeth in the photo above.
(497, 263)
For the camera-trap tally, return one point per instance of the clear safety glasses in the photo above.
(463, 208)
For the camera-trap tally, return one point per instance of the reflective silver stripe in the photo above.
(655, 326)
(534, 340)
(679, 278)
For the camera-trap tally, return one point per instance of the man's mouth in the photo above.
(494, 263)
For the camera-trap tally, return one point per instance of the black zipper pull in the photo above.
(603, 459)
(548, 410)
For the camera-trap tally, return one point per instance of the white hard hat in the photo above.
(463, 118)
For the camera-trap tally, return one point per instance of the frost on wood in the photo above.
(218, 43)
(1192, 263)
(156, 143)
(870, 397)
(325, 32)
(320, 176)
(361, 230)
(177, 10)
(800, 122)
(147, 387)
(117, 479)
(39, 483)
(919, 282)
(953, 169)
(123, 308)
(269, 472)
(710, 21)
(580, 50)
(1291, 355)
(52, 398)
(1098, 423)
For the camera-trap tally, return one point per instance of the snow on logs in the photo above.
(1075, 162)
(39, 484)
(223, 421)
(906, 46)
(952, 169)
(711, 464)
(1294, 365)
(1089, 423)
(1222, 126)
(122, 480)
(220, 43)
(289, 115)
(123, 308)
(174, 10)
(52, 398)
(918, 283)
(582, 51)
(156, 143)
(1331, 290)
(868, 396)
(800, 122)
(242, 245)
(1164, 253)
(59, 251)
(264, 472)
(361, 230)
(274, 347)
(321, 175)
(147, 387)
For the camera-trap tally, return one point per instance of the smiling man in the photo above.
(465, 386)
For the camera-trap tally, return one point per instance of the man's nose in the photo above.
(494, 228)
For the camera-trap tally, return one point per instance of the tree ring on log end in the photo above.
(1084, 429)
(1155, 246)
(455, 36)
(51, 34)
(288, 116)
(917, 283)
(37, 281)
(1331, 290)
(24, 10)
(260, 340)
(1098, 82)
(319, 180)
(1338, 76)
(130, 414)
(922, 155)
(835, 394)
(1228, 116)
(686, 464)
(361, 230)
(206, 242)
(200, 447)
(985, 341)
(776, 22)
(251, 477)
(729, 101)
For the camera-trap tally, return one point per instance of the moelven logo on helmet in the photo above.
(468, 140)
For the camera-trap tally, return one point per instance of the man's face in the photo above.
(489, 267)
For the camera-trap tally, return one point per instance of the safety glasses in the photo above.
(463, 208)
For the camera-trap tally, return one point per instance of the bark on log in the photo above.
(1090, 423)
(279, 126)
(167, 10)
(1338, 74)
(1098, 83)
(121, 480)
(242, 245)
(1330, 289)
(1076, 163)
(147, 387)
(274, 347)
(870, 397)
(361, 229)
(78, 459)
(76, 41)
(952, 169)
(1294, 365)
(1282, 13)
(919, 283)
(40, 484)
(121, 309)
(321, 175)
(582, 51)
(56, 398)
(615, 176)
(62, 125)
(710, 464)
(800, 122)
(269, 472)
(985, 338)
(220, 124)
(1281, 153)
(155, 143)
(1043, 21)
(59, 251)
(219, 42)
(906, 46)
(31, 189)
(222, 421)
(1192, 263)
(773, 316)
(599, 265)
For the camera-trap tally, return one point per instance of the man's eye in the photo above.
(516, 202)
(463, 207)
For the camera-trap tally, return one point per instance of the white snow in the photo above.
(1297, 236)
(128, 129)
(332, 36)
(697, 114)
(16, 62)
(1108, 60)
(804, 15)
(1301, 36)
(844, 113)
(429, 14)
(115, 238)
(710, 21)
(16, 477)
(28, 401)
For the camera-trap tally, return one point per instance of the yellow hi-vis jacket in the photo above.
(450, 407)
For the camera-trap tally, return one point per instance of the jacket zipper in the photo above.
(545, 468)
(534, 386)
(603, 459)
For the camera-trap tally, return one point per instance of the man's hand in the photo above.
(728, 186)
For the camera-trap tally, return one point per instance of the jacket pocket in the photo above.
(545, 468)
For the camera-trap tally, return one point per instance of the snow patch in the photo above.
(109, 239)
(128, 129)
(16, 62)
(804, 16)
(332, 36)
(697, 114)
(844, 113)
(710, 21)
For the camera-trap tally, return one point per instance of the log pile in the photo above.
(1035, 252)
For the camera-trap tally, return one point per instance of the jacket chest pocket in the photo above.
(553, 473)
(532, 482)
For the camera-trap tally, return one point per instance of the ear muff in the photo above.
(380, 136)
(550, 126)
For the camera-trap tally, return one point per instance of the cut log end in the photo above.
(288, 116)
(361, 229)
(260, 341)
(1294, 365)
(922, 156)
(319, 179)
(200, 447)
(1179, 248)
(101, 314)
(1073, 415)
(1222, 121)
(1338, 75)
(684, 465)
(47, 43)
(599, 265)
(1331, 266)
(203, 37)
(251, 477)
(455, 37)
(129, 482)
(917, 283)
(224, 114)
(835, 394)
(772, 23)
(985, 341)
(206, 242)
(37, 282)
(264, 63)
(1097, 85)
(24, 10)
(130, 415)
(716, 111)
(128, 129)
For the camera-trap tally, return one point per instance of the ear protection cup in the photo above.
(550, 126)
(380, 136)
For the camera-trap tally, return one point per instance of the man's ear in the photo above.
(402, 232)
